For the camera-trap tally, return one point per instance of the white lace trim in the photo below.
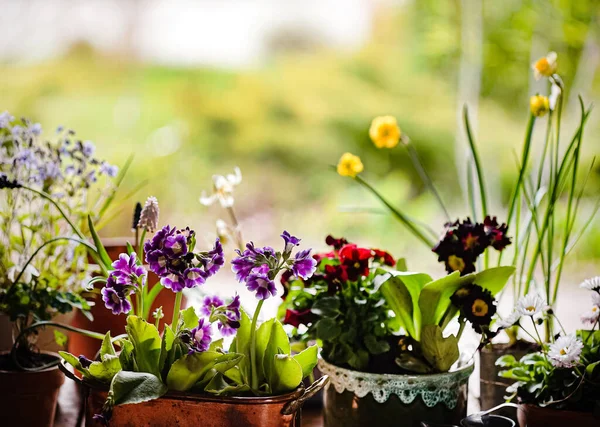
(433, 389)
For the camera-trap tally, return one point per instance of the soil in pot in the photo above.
(536, 416)
(492, 387)
(29, 398)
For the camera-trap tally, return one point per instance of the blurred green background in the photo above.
(287, 116)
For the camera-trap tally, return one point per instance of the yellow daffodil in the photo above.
(349, 165)
(546, 66)
(539, 105)
(384, 132)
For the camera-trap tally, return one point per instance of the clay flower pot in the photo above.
(29, 398)
(192, 410)
(536, 416)
(355, 399)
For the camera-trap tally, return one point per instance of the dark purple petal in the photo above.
(193, 277)
(201, 336)
(84, 361)
(158, 241)
(290, 241)
(209, 303)
(258, 281)
(242, 266)
(304, 264)
(214, 260)
(173, 281)
(115, 301)
(158, 262)
(175, 246)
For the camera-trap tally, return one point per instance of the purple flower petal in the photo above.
(304, 264)
(193, 277)
(201, 336)
(214, 260)
(290, 241)
(158, 262)
(173, 281)
(258, 281)
(176, 246)
(209, 303)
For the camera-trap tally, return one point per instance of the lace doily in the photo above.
(433, 389)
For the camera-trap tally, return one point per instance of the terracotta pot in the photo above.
(357, 399)
(104, 320)
(29, 398)
(492, 388)
(192, 410)
(536, 416)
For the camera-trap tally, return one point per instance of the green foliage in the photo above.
(146, 345)
(440, 352)
(135, 387)
(192, 368)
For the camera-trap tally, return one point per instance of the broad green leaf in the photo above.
(227, 361)
(74, 362)
(190, 318)
(263, 334)
(126, 355)
(440, 352)
(216, 345)
(279, 343)
(136, 387)
(104, 258)
(287, 374)
(326, 307)
(401, 264)
(218, 386)
(60, 338)
(506, 361)
(234, 375)
(187, 370)
(401, 291)
(146, 345)
(328, 329)
(376, 346)
(106, 369)
(166, 347)
(107, 346)
(494, 279)
(359, 360)
(307, 359)
(413, 364)
(241, 344)
(435, 297)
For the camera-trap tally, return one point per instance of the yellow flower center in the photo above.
(595, 308)
(562, 352)
(480, 308)
(470, 241)
(462, 292)
(349, 165)
(530, 308)
(543, 66)
(384, 132)
(456, 263)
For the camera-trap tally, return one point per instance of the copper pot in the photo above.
(29, 398)
(536, 416)
(192, 410)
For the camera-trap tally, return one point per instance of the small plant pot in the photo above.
(536, 416)
(354, 399)
(29, 398)
(192, 410)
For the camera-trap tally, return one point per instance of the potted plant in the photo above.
(542, 207)
(43, 267)
(185, 376)
(385, 334)
(559, 384)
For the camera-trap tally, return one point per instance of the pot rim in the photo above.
(49, 353)
(550, 408)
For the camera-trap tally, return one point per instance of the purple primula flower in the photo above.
(214, 260)
(193, 277)
(258, 281)
(114, 297)
(226, 330)
(157, 262)
(242, 266)
(304, 264)
(174, 281)
(176, 246)
(158, 241)
(209, 303)
(233, 315)
(201, 336)
(84, 361)
(290, 241)
(126, 270)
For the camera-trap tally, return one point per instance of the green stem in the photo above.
(254, 372)
(460, 330)
(150, 297)
(402, 217)
(176, 308)
(537, 333)
(478, 168)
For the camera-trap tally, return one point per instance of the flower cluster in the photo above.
(463, 242)
(170, 256)
(124, 280)
(228, 315)
(476, 305)
(257, 267)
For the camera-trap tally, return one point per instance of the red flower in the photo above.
(336, 243)
(497, 233)
(355, 260)
(285, 281)
(384, 257)
(297, 318)
(335, 276)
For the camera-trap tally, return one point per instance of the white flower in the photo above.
(593, 314)
(592, 284)
(223, 187)
(223, 231)
(509, 321)
(30, 271)
(554, 94)
(530, 304)
(546, 66)
(149, 215)
(565, 351)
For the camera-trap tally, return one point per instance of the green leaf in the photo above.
(435, 297)
(99, 246)
(494, 279)
(146, 345)
(126, 355)
(401, 291)
(107, 346)
(186, 371)
(307, 359)
(413, 364)
(263, 335)
(328, 329)
(401, 264)
(326, 307)
(74, 362)
(440, 352)
(136, 387)
(60, 338)
(506, 361)
(376, 346)
(166, 347)
(241, 344)
(287, 374)
(190, 318)
(279, 343)
(106, 369)
(359, 360)
(216, 345)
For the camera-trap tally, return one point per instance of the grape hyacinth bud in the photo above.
(137, 212)
(149, 215)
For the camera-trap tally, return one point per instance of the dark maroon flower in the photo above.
(336, 243)
(384, 257)
(496, 233)
(356, 261)
(297, 318)
(335, 276)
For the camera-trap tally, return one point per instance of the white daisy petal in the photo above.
(565, 351)
(530, 304)
(510, 320)
(592, 284)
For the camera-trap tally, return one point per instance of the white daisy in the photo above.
(223, 187)
(591, 284)
(565, 351)
(591, 316)
(510, 320)
(530, 304)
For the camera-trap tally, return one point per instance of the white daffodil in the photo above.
(591, 284)
(530, 304)
(565, 351)
(223, 187)
(30, 271)
(591, 316)
(546, 66)
(510, 320)
(554, 94)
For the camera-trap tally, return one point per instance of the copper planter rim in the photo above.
(48, 353)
